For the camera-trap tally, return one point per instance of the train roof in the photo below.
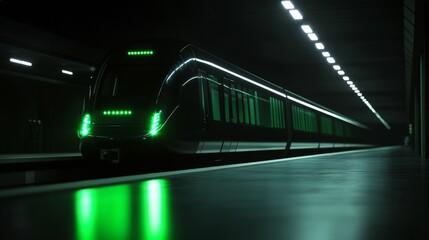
(205, 57)
(166, 50)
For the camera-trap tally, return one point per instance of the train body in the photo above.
(163, 96)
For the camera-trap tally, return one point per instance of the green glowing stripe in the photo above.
(118, 112)
(140, 53)
(85, 126)
(155, 123)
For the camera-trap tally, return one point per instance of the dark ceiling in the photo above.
(364, 36)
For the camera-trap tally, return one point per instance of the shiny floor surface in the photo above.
(373, 194)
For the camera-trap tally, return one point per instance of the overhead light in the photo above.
(306, 28)
(288, 5)
(319, 45)
(312, 36)
(330, 60)
(295, 14)
(14, 60)
(67, 72)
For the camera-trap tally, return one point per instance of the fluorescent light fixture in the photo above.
(67, 72)
(319, 45)
(288, 5)
(14, 60)
(306, 28)
(295, 14)
(330, 60)
(312, 36)
(326, 54)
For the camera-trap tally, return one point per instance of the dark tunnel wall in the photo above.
(39, 116)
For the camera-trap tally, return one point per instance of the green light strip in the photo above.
(85, 125)
(155, 123)
(140, 53)
(117, 112)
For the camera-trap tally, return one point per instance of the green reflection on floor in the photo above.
(107, 212)
(103, 213)
(155, 209)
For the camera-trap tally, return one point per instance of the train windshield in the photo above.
(131, 80)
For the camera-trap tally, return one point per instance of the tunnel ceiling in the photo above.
(365, 37)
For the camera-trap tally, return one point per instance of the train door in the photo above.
(230, 112)
(212, 103)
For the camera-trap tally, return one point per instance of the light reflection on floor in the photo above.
(106, 212)
(356, 196)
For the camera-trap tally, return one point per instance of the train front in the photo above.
(121, 119)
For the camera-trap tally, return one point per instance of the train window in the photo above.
(202, 95)
(240, 105)
(233, 103)
(282, 115)
(258, 122)
(246, 105)
(252, 110)
(131, 80)
(272, 113)
(276, 113)
(347, 131)
(226, 100)
(263, 110)
(304, 119)
(256, 108)
(339, 131)
(214, 97)
(326, 124)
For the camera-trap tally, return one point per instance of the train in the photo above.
(159, 97)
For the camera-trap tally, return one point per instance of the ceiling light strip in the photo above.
(22, 62)
(288, 5)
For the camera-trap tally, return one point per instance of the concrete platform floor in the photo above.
(379, 193)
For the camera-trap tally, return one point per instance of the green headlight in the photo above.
(85, 126)
(155, 124)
